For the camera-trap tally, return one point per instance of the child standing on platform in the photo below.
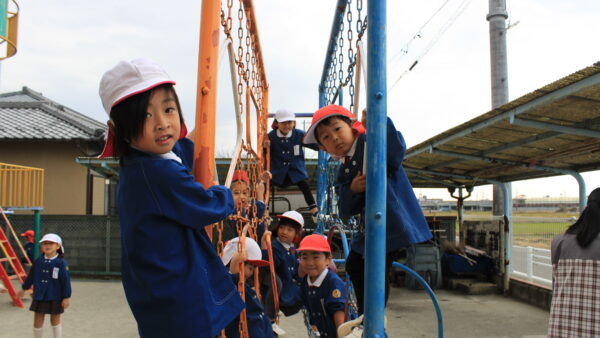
(337, 132)
(259, 325)
(49, 277)
(323, 291)
(287, 157)
(174, 282)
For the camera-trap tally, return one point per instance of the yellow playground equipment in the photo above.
(21, 188)
(9, 20)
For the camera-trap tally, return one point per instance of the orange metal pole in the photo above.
(206, 97)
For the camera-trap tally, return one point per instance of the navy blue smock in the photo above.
(406, 224)
(176, 285)
(287, 157)
(286, 268)
(259, 324)
(323, 301)
(50, 279)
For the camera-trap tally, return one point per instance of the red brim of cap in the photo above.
(109, 143)
(309, 136)
(313, 248)
(258, 262)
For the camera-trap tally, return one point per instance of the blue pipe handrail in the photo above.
(438, 310)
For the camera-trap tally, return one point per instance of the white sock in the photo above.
(57, 331)
(38, 332)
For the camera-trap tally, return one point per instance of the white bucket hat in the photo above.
(127, 79)
(294, 216)
(55, 239)
(254, 252)
(284, 115)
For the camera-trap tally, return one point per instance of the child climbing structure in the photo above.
(21, 188)
(240, 42)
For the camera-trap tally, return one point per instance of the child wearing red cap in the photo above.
(287, 156)
(29, 246)
(245, 205)
(337, 132)
(163, 210)
(322, 291)
(259, 325)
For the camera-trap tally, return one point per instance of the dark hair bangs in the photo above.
(129, 115)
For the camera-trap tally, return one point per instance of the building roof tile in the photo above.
(28, 115)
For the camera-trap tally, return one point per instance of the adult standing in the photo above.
(575, 309)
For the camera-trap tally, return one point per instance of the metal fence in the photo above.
(538, 232)
(92, 243)
(532, 264)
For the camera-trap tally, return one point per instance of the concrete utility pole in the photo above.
(498, 61)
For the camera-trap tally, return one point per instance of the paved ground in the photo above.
(98, 309)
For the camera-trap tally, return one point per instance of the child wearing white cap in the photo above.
(259, 325)
(287, 233)
(163, 210)
(287, 157)
(49, 276)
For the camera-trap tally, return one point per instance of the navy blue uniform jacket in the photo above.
(406, 224)
(176, 285)
(50, 279)
(286, 268)
(323, 301)
(287, 157)
(259, 324)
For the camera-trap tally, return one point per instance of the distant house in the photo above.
(38, 132)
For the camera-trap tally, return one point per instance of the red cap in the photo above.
(240, 175)
(325, 112)
(29, 234)
(314, 242)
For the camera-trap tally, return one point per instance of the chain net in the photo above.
(239, 26)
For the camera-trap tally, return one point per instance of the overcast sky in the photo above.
(65, 46)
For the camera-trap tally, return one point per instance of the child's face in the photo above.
(49, 248)
(337, 137)
(285, 127)
(286, 233)
(248, 270)
(241, 194)
(313, 263)
(162, 125)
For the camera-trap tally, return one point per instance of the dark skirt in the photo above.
(52, 307)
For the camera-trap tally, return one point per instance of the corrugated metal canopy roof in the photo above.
(554, 130)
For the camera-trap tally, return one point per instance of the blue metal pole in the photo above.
(508, 213)
(582, 196)
(376, 171)
(322, 171)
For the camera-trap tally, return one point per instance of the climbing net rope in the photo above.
(250, 94)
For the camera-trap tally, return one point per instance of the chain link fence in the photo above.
(92, 243)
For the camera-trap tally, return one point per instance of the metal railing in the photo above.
(21, 187)
(532, 264)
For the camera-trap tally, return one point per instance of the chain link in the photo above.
(341, 76)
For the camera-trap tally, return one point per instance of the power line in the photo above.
(459, 10)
